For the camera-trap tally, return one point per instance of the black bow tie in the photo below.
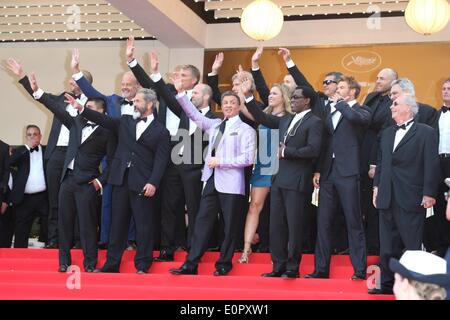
(92, 125)
(125, 102)
(403, 126)
(75, 96)
(445, 109)
(34, 149)
(142, 119)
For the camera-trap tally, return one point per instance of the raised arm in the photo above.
(56, 107)
(299, 78)
(213, 78)
(96, 117)
(356, 115)
(260, 82)
(140, 74)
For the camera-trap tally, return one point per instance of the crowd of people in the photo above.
(156, 166)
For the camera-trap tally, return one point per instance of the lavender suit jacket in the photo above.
(236, 150)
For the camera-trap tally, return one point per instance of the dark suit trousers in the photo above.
(211, 203)
(437, 227)
(286, 228)
(370, 216)
(334, 189)
(80, 200)
(6, 228)
(399, 230)
(53, 174)
(125, 203)
(32, 206)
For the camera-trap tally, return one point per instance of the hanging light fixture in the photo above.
(427, 16)
(262, 20)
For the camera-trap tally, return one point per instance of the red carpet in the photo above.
(32, 274)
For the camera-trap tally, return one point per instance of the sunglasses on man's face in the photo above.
(328, 82)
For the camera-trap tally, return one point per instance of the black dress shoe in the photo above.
(89, 269)
(97, 270)
(51, 245)
(380, 291)
(183, 270)
(359, 276)
(291, 274)
(273, 274)
(164, 257)
(221, 272)
(102, 246)
(316, 275)
(141, 272)
(63, 268)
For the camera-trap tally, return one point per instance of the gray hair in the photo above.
(411, 101)
(406, 85)
(335, 74)
(247, 75)
(149, 96)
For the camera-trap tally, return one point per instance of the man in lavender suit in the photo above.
(231, 148)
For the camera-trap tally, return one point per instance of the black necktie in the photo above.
(403, 126)
(34, 149)
(445, 109)
(218, 137)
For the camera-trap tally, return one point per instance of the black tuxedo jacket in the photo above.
(302, 147)
(56, 124)
(344, 141)
(88, 154)
(20, 159)
(145, 158)
(4, 170)
(410, 171)
(196, 148)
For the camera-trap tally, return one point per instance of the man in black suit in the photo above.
(81, 180)
(136, 170)
(187, 155)
(300, 142)
(339, 178)
(379, 103)
(173, 193)
(405, 184)
(29, 193)
(6, 221)
(58, 141)
(437, 228)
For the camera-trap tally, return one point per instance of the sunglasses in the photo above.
(328, 82)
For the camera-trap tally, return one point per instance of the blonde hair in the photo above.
(428, 291)
(285, 94)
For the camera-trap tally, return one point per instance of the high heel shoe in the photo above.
(245, 256)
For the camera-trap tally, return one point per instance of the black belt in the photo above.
(63, 148)
(444, 155)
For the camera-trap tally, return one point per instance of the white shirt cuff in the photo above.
(155, 77)
(38, 94)
(247, 100)
(77, 76)
(290, 64)
(99, 183)
(255, 69)
(282, 152)
(180, 94)
(211, 74)
(132, 63)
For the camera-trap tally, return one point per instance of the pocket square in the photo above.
(233, 133)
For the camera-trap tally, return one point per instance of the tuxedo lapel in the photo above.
(297, 127)
(411, 132)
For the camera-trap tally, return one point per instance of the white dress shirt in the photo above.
(63, 138)
(444, 133)
(142, 125)
(36, 178)
(336, 115)
(86, 133)
(203, 111)
(401, 133)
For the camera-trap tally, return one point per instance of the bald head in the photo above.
(384, 80)
(201, 95)
(129, 85)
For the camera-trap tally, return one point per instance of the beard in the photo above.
(136, 114)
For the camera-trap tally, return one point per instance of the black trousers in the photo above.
(6, 228)
(370, 217)
(54, 169)
(125, 203)
(286, 228)
(82, 201)
(181, 185)
(213, 202)
(399, 230)
(32, 206)
(336, 189)
(437, 227)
